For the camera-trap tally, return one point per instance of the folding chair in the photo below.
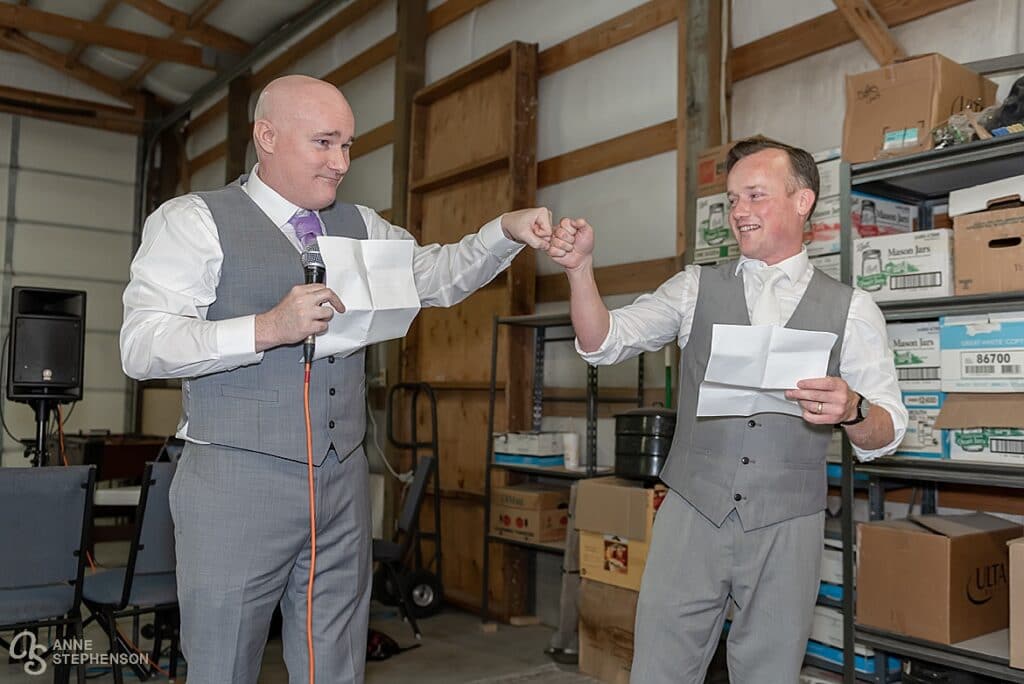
(43, 534)
(392, 554)
(147, 584)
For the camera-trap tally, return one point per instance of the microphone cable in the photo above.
(312, 526)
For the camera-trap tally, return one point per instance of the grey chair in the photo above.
(147, 584)
(43, 537)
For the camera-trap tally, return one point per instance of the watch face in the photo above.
(863, 407)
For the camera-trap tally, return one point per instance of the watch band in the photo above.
(862, 411)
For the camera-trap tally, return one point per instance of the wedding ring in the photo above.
(820, 406)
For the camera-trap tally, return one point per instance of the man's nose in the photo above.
(339, 161)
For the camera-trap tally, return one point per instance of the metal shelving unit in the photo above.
(926, 179)
(591, 397)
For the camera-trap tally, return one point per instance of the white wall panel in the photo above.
(78, 201)
(5, 141)
(803, 103)
(368, 181)
(372, 96)
(210, 177)
(205, 137)
(492, 25)
(4, 180)
(71, 252)
(349, 42)
(632, 208)
(74, 149)
(618, 91)
(103, 363)
(21, 71)
(753, 19)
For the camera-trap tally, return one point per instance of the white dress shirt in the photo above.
(866, 364)
(175, 274)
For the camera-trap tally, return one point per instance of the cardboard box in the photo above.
(711, 173)
(892, 110)
(533, 495)
(529, 443)
(984, 427)
(982, 353)
(607, 617)
(1017, 602)
(822, 231)
(988, 243)
(828, 177)
(941, 217)
(934, 577)
(529, 524)
(872, 216)
(615, 518)
(923, 439)
(915, 349)
(908, 266)
(813, 675)
(827, 628)
(714, 238)
(831, 565)
(829, 264)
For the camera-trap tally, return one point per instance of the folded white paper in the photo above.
(751, 366)
(374, 280)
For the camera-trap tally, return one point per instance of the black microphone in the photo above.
(313, 265)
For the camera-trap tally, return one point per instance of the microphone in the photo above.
(313, 265)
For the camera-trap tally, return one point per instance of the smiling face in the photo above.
(767, 209)
(303, 131)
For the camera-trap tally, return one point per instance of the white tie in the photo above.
(766, 308)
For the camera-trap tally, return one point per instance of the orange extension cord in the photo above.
(312, 530)
(88, 556)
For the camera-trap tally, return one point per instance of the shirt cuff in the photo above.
(598, 355)
(236, 340)
(493, 238)
(899, 430)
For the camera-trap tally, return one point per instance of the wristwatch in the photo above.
(863, 405)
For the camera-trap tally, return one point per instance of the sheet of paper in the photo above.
(751, 366)
(374, 280)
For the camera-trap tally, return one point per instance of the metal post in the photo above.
(538, 378)
(591, 420)
(484, 591)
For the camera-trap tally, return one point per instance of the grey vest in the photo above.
(260, 407)
(770, 466)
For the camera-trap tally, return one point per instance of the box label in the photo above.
(873, 216)
(983, 353)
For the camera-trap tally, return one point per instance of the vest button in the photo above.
(330, 359)
(737, 497)
(751, 424)
(331, 425)
(331, 391)
(744, 460)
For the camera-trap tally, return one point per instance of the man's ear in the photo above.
(804, 201)
(264, 136)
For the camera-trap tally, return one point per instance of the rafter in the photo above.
(14, 40)
(101, 18)
(871, 29)
(183, 26)
(28, 19)
(198, 16)
(69, 110)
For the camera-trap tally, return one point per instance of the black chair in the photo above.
(417, 591)
(43, 537)
(148, 583)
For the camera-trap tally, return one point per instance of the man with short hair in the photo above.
(743, 521)
(213, 300)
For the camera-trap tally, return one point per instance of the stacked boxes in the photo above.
(915, 348)
(822, 232)
(714, 238)
(988, 229)
(905, 266)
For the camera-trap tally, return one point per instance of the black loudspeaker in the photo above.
(47, 352)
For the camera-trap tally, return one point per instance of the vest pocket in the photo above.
(248, 393)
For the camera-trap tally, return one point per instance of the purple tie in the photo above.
(307, 227)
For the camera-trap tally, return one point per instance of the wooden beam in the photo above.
(640, 144)
(100, 18)
(374, 139)
(69, 110)
(184, 27)
(197, 16)
(28, 19)
(871, 29)
(239, 129)
(207, 115)
(15, 40)
(410, 70)
(821, 33)
(364, 61)
(352, 13)
(683, 195)
(206, 158)
(608, 34)
(449, 12)
(638, 276)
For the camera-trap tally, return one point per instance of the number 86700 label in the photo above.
(1003, 364)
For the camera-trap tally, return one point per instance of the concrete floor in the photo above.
(454, 650)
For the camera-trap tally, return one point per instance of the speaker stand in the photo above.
(42, 408)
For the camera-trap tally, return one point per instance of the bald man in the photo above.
(213, 300)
